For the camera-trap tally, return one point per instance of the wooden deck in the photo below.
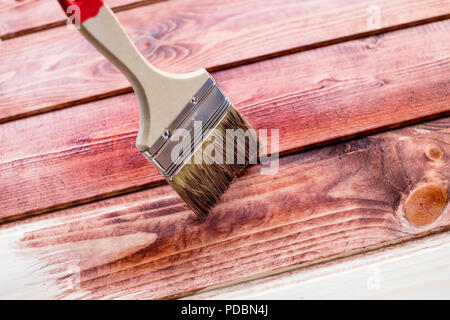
(363, 108)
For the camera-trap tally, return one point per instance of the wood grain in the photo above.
(419, 269)
(313, 97)
(58, 68)
(335, 200)
(20, 17)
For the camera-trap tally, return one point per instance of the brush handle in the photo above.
(161, 95)
(100, 26)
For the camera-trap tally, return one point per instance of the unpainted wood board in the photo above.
(419, 269)
(321, 203)
(312, 97)
(58, 68)
(19, 17)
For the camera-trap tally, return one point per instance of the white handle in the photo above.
(161, 95)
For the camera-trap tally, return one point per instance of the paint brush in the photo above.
(188, 129)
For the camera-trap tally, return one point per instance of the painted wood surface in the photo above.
(320, 71)
(331, 201)
(313, 97)
(419, 269)
(57, 68)
(18, 18)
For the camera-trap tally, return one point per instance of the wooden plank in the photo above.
(312, 97)
(58, 68)
(419, 269)
(337, 200)
(18, 18)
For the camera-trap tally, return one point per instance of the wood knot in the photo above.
(145, 45)
(434, 154)
(425, 204)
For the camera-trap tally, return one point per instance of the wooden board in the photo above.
(333, 201)
(320, 71)
(313, 97)
(18, 18)
(57, 68)
(418, 269)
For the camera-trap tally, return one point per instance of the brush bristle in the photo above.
(202, 181)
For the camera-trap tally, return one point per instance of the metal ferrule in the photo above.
(207, 107)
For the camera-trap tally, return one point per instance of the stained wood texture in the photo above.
(317, 96)
(19, 17)
(335, 200)
(58, 68)
(419, 269)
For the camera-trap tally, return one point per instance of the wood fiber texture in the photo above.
(20, 17)
(361, 105)
(328, 201)
(312, 97)
(57, 68)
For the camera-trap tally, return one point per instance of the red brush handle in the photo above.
(88, 8)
